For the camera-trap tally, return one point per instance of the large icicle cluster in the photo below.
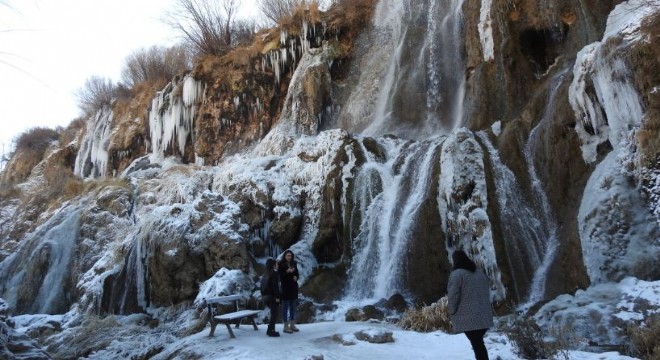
(92, 159)
(291, 49)
(172, 114)
(619, 235)
(602, 94)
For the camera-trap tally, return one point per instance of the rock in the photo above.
(353, 314)
(396, 303)
(285, 229)
(258, 247)
(368, 312)
(375, 336)
(18, 346)
(314, 357)
(325, 284)
(371, 312)
(305, 312)
(344, 340)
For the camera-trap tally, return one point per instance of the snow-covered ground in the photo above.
(597, 315)
(319, 339)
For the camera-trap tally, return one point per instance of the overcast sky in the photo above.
(48, 48)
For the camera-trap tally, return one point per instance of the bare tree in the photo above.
(230, 8)
(276, 10)
(154, 63)
(243, 32)
(96, 93)
(205, 24)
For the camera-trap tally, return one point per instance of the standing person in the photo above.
(468, 295)
(288, 270)
(270, 294)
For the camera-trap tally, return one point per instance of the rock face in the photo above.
(489, 127)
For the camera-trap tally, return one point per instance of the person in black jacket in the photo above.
(288, 270)
(270, 294)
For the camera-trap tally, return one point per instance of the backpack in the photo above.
(265, 279)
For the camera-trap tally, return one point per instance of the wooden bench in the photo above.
(216, 317)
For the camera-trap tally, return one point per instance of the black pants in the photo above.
(273, 306)
(476, 338)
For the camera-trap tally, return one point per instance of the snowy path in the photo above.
(316, 339)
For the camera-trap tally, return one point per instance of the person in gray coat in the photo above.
(468, 295)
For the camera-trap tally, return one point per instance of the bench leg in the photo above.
(231, 333)
(213, 325)
(254, 323)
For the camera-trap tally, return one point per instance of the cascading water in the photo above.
(524, 236)
(421, 87)
(420, 95)
(36, 279)
(548, 224)
(388, 194)
(445, 67)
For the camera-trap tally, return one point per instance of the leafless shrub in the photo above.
(37, 139)
(243, 32)
(645, 338)
(530, 342)
(205, 25)
(96, 93)
(427, 318)
(154, 63)
(276, 10)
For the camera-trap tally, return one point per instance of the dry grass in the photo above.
(72, 131)
(645, 338)
(428, 318)
(9, 191)
(100, 184)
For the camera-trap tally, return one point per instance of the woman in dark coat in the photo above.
(270, 293)
(468, 295)
(288, 270)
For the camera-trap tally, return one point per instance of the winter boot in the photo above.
(271, 332)
(287, 327)
(293, 326)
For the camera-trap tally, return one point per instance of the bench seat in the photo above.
(235, 317)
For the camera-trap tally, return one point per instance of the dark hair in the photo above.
(269, 265)
(462, 261)
(293, 256)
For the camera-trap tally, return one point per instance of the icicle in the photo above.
(283, 37)
(303, 36)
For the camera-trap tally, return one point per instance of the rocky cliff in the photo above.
(525, 132)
